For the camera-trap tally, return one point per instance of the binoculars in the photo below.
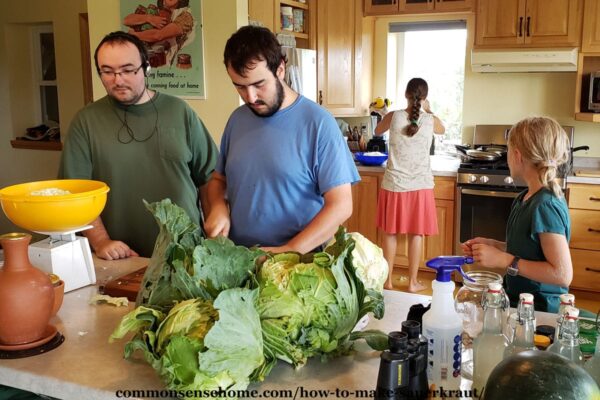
(403, 367)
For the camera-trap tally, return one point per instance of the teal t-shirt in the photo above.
(542, 213)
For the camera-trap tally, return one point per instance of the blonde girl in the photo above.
(406, 205)
(536, 255)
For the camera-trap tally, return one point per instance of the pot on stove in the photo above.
(483, 154)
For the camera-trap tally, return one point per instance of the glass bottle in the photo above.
(524, 330)
(566, 299)
(468, 304)
(489, 345)
(567, 339)
(592, 366)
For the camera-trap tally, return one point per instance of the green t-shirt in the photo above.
(151, 151)
(542, 213)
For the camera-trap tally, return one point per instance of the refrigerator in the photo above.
(301, 71)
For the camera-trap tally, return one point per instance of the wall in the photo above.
(18, 165)
(220, 20)
(501, 98)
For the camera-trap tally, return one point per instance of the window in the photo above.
(434, 51)
(44, 75)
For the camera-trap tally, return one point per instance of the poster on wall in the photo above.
(172, 31)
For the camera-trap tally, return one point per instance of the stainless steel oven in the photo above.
(482, 212)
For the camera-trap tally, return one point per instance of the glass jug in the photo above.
(468, 305)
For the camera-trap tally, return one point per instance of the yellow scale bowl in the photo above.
(58, 213)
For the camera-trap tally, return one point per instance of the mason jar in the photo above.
(469, 306)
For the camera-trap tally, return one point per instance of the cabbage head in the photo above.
(201, 345)
(368, 261)
(309, 304)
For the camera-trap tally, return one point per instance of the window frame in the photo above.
(40, 109)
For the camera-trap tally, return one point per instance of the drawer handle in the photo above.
(592, 269)
(593, 230)
(520, 26)
(592, 198)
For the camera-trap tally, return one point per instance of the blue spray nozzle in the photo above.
(444, 265)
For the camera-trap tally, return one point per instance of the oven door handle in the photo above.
(489, 193)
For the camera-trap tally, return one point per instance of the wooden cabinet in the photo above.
(364, 201)
(344, 47)
(590, 38)
(268, 13)
(391, 7)
(586, 64)
(584, 207)
(364, 217)
(589, 60)
(443, 243)
(528, 23)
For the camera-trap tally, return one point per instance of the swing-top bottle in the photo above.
(524, 329)
(566, 343)
(488, 347)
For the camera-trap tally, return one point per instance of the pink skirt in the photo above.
(407, 212)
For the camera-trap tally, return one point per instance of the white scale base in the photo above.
(66, 255)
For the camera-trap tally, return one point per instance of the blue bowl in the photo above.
(370, 160)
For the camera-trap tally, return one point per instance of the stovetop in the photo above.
(500, 166)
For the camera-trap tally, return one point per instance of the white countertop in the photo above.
(585, 164)
(87, 367)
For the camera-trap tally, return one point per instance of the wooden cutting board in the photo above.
(588, 173)
(126, 285)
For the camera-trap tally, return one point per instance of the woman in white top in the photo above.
(406, 204)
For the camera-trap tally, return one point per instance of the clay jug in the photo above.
(26, 293)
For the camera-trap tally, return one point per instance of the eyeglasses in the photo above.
(126, 73)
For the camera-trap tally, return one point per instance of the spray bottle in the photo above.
(442, 326)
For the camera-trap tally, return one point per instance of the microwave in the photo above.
(594, 92)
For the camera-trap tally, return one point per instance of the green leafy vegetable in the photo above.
(201, 345)
(208, 318)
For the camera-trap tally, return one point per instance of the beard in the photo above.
(274, 106)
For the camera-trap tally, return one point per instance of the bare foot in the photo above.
(416, 287)
(388, 285)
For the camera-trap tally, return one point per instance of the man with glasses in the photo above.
(143, 144)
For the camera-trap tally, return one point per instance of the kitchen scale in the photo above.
(60, 216)
(67, 255)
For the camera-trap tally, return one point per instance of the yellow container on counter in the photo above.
(54, 205)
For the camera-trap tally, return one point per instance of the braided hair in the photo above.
(545, 144)
(416, 91)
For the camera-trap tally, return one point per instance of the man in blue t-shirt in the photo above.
(283, 177)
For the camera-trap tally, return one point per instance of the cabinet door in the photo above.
(416, 6)
(381, 7)
(585, 229)
(442, 244)
(591, 27)
(500, 22)
(553, 22)
(453, 5)
(364, 210)
(262, 11)
(339, 56)
(586, 270)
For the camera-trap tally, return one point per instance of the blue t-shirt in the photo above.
(278, 168)
(541, 213)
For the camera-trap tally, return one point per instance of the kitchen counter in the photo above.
(441, 165)
(87, 367)
(585, 164)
